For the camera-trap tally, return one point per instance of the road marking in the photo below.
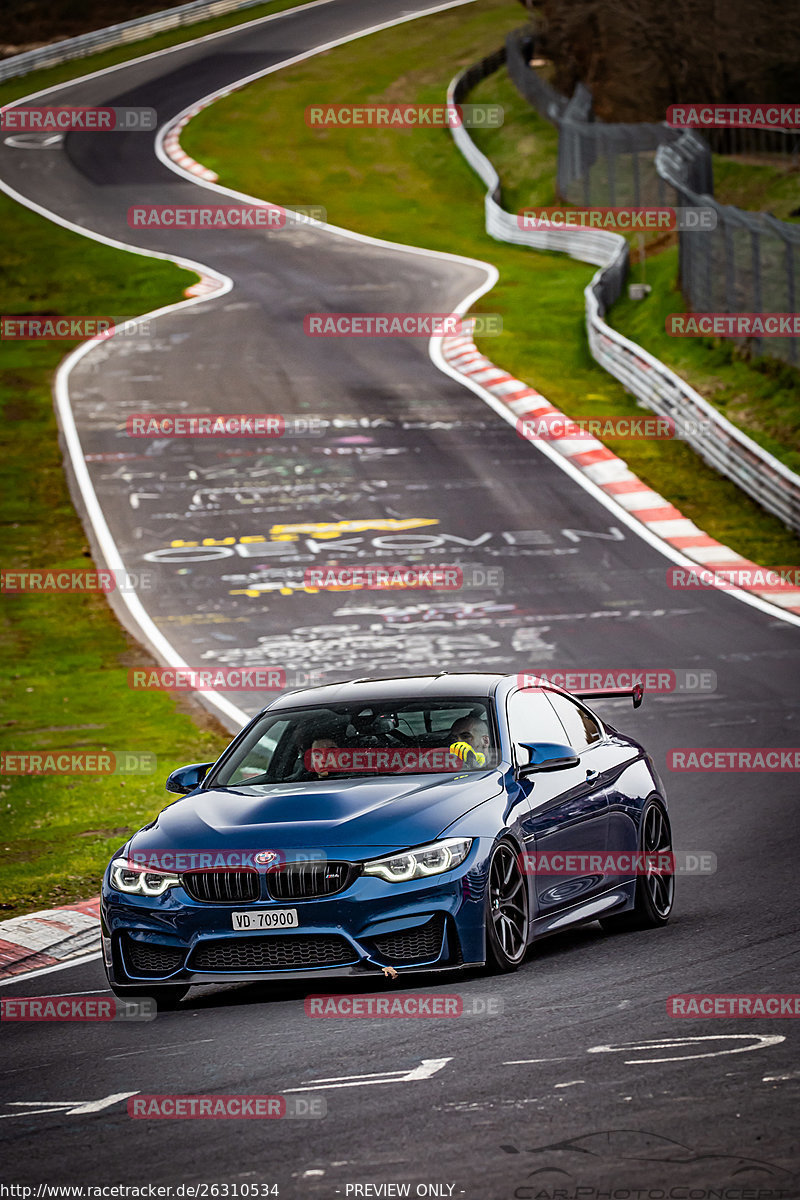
(427, 1068)
(167, 1046)
(523, 1062)
(70, 1107)
(758, 1041)
(34, 141)
(83, 992)
(62, 966)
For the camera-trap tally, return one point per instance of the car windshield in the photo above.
(337, 741)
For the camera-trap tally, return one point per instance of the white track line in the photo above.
(62, 966)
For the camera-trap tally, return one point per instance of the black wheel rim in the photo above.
(508, 903)
(660, 883)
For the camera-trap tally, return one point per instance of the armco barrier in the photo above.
(118, 35)
(715, 439)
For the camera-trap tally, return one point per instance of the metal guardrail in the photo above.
(719, 443)
(118, 35)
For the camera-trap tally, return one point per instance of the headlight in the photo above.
(135, 880)
(417, 864)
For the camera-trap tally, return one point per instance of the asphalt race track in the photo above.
(520, 1103)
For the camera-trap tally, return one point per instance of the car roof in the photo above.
(395, 687)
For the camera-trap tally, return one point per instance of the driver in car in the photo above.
(307, 768)
(469, 740)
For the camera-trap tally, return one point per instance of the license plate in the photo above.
(276, 918)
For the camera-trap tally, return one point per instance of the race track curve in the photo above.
(438, 477)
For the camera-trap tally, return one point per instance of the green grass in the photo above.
(34, 81)
(66, 658)
(414, 187)
(772, 187)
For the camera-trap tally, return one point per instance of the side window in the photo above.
(531, 719)
(259, 756)
(582, 729)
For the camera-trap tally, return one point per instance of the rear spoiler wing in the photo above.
(636, 693)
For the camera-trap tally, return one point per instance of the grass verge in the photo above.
(414, 187)
(768, 185)
(64, 687)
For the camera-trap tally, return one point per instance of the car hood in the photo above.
(376, 814)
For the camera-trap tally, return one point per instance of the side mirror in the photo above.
(547, 756)
(186, 779)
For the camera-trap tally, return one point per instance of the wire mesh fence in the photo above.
(718, 442)
(749, 263)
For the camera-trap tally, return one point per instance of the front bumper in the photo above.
(426, 924)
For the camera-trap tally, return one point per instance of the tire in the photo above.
(506, 911)
(655, 892)
(166, 998)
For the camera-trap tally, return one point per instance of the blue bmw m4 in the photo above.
(388, 826)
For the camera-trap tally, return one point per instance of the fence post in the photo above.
(791, 293)
(758, 305)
